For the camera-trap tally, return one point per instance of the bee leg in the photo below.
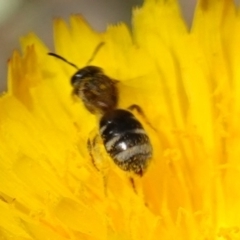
(140, 112)
(90, 145)
(97, 159)
(137, 187)
(132, 182)
(137, 108)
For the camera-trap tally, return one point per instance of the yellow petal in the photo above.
(187, 83)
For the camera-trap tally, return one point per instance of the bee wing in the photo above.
(141, 90)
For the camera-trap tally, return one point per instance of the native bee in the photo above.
(123, 136)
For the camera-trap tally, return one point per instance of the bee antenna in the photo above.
(63, 59)
(95, 52)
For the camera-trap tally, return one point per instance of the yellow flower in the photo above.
(186, 81)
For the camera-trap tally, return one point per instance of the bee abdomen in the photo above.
(126, 141)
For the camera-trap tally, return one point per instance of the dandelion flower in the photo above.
(187, 83)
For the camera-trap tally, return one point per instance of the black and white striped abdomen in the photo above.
(126, 141)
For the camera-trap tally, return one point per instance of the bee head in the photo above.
(85, 73)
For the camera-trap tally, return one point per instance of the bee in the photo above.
(122, 134)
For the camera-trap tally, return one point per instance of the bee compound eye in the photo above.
(76, 78)
(88, 72)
